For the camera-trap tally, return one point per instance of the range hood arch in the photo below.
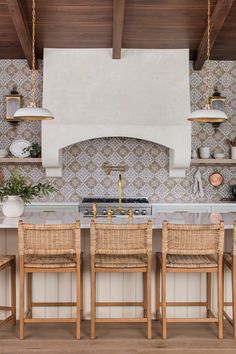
(113, 109)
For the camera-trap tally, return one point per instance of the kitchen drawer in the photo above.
(62, 208)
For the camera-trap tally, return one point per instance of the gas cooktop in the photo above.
(140, 206)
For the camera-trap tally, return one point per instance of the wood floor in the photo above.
(117, 339)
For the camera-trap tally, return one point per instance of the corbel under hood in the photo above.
(144, 95)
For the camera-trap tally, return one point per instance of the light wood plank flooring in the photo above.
(117, 339)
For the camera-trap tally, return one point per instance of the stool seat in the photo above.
(229, 263)
(228, 258)
(121, 248)
(48, 261)
(120, 261)
(190, 248)
(189, 261)
(49, 248)
(6, 259)
(8, 262)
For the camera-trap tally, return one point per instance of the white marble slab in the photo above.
(61, 217)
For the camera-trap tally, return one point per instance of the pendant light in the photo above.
(32, 112)
(208, 115)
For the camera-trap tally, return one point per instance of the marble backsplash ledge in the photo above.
(147, 174)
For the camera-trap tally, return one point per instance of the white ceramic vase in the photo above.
(233, 152)
(13, 207)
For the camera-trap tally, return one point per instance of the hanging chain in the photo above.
(33, 73)
(208, 68)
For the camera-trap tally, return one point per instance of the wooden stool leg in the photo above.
(93, 300)
(158, 288)
(234, 295)
(78, 299)
(220, 300)
(149, 301)
(29, 294)
(13, 290)
(145, 295)
(22, 295)
(223, 288)
(208, 295)
(164, 330)
(81, 289)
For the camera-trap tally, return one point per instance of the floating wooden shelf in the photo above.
(213, 162)
(20, 160)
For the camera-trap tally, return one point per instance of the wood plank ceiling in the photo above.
(118, 23)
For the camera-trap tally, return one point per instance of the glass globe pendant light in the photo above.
(208, 115)
(32, 112)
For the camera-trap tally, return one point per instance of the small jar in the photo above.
(233, 152)
(194, 154)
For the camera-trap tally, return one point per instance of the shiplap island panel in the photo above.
(111, 287)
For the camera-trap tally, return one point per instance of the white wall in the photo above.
(144, 95)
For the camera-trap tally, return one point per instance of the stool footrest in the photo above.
(184, 304)
(6, 308)
(120, 320)
(119, 304)
(53, 304)
(50, 320)
(199, 320)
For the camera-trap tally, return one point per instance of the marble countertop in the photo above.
(68, 204)
(60, 217)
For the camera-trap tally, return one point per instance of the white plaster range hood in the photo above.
(144, 95)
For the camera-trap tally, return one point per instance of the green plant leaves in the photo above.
(17, 185)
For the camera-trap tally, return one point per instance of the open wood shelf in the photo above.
(213, 162)
(20, 160)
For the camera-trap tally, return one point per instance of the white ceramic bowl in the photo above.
(219, 155)
(204, 149)
(204, 155)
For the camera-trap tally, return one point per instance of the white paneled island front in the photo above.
(111, 287)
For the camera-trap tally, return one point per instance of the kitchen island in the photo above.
(112, 287)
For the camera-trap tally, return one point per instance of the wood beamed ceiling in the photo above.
(119, 24)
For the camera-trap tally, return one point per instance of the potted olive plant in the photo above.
(15, 193)
(233, 148)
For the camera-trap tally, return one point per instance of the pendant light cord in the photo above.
(208, 76)
(33, 74)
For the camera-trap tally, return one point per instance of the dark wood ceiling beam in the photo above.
(21, 26)
(218, 18)
(118, 24)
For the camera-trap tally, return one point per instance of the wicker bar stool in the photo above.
(187, 249)
(49, 248)
(121, 248)
(229, 261)
(6, 262)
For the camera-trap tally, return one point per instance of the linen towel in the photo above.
(197, 186)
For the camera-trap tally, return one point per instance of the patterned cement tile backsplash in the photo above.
(147, 173)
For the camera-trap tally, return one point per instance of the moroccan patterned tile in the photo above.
(147, 163)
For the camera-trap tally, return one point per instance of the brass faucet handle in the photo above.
(130, 214)
(109, 214)
(94, 210)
